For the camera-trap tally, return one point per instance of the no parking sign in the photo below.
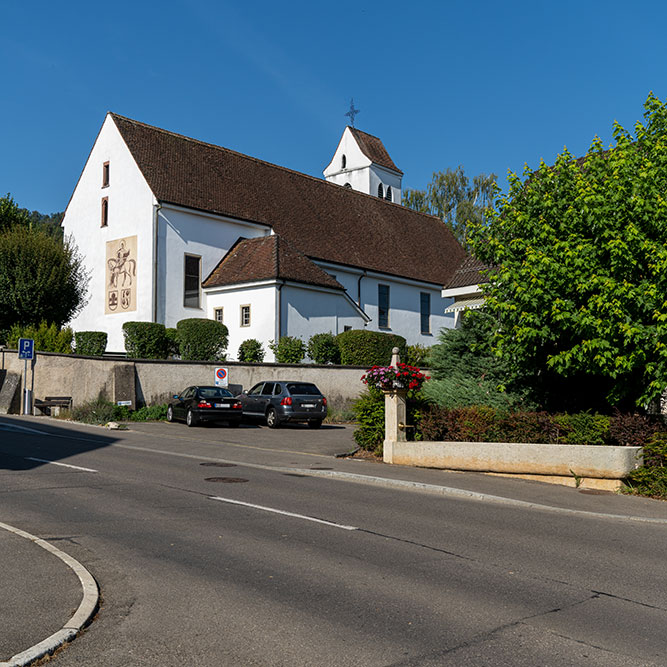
(221, 377)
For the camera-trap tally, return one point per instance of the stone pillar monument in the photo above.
(395, 415)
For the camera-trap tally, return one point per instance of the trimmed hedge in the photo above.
(172, 341)
(251, 351)
(485, 424)
(200, 339)
(360, 347)
(288, 350)
(323, 349)
(145, 340)
(47, 337)
(90, 343)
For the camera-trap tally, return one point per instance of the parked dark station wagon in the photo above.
(279, 401)
(200, 403)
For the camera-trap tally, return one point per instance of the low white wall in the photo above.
(607, 462)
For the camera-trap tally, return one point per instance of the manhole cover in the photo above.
(226, 480)
(218, 465)
(321, 468)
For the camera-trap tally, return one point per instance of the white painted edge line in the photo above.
(57, 463)
(231, 501)
(81, 616)
(15, 427)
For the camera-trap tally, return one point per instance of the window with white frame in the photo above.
(218, 315)
(245, 315)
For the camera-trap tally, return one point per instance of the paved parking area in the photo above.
(329, 440)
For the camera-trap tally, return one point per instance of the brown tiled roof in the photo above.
(373, 148)
(468, 273)
(266, 258)
(323, 220)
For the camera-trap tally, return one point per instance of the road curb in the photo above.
(81, 616)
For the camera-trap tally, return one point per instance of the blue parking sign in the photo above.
(26, 348)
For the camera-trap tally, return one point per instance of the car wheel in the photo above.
(190, 419)
(272, 420)
(170, 414)
(315, 423)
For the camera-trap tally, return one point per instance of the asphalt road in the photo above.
(215, 546)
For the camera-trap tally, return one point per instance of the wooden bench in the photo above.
(52, 405)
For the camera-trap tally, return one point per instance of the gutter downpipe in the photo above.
(156, 210)
(363, 275)
(279, 312)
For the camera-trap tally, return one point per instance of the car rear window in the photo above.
(303, 388)
(214, 392)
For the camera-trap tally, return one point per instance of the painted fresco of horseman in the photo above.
(121, 265)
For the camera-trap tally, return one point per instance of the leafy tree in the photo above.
(41, 278)
(452, 197)
(580, 271)
(11, 215)
(251, 351)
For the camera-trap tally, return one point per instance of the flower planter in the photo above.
(605, 462)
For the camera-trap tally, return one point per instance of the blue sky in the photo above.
(488, 85)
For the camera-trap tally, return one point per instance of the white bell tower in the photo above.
(361, 162)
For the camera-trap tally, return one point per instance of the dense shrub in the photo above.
(485, 424)
(417, 355)
(90, 343)
(99, 411)
(461, 390)
(369, 412)
(323, 349)
(251, 351)
(149, 413)
(173, 347)
(634, 429)
(359, 347)
(145, 340)
(288, 350)
(651, 478)
(202, 339)
(47, 337)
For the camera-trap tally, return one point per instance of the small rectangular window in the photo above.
(347, 327)
(105, 212)
(191, 281)
(383, 306)
(105, 175)
(425, 312)
(217, 314)
(245, 316)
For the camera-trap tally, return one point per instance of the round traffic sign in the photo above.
(221, 373)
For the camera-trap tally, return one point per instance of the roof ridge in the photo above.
(316, 179)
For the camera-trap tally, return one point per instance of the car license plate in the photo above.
(222, 405)
(307, 405)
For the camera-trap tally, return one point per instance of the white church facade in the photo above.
(171, 228)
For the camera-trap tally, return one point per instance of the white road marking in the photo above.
(56, 463)
(14, 427)
(283, 512)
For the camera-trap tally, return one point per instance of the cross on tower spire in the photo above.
(352, 112)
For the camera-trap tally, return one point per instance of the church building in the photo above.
(171, 228)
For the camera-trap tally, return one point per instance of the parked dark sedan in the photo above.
(198, 404)
(281, 401)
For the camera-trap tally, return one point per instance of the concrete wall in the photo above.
(85, 378)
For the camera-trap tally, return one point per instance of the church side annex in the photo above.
(171, 227)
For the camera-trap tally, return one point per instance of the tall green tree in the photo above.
(42, 278)
(579, 288)
(454, 199)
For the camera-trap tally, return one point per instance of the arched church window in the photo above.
(380, 191)
(388, 195)
(348, 185)
(343, 162)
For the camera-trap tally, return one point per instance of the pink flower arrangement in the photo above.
(394, 377)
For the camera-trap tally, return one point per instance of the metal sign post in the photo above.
(26, 351)
(221, 377)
